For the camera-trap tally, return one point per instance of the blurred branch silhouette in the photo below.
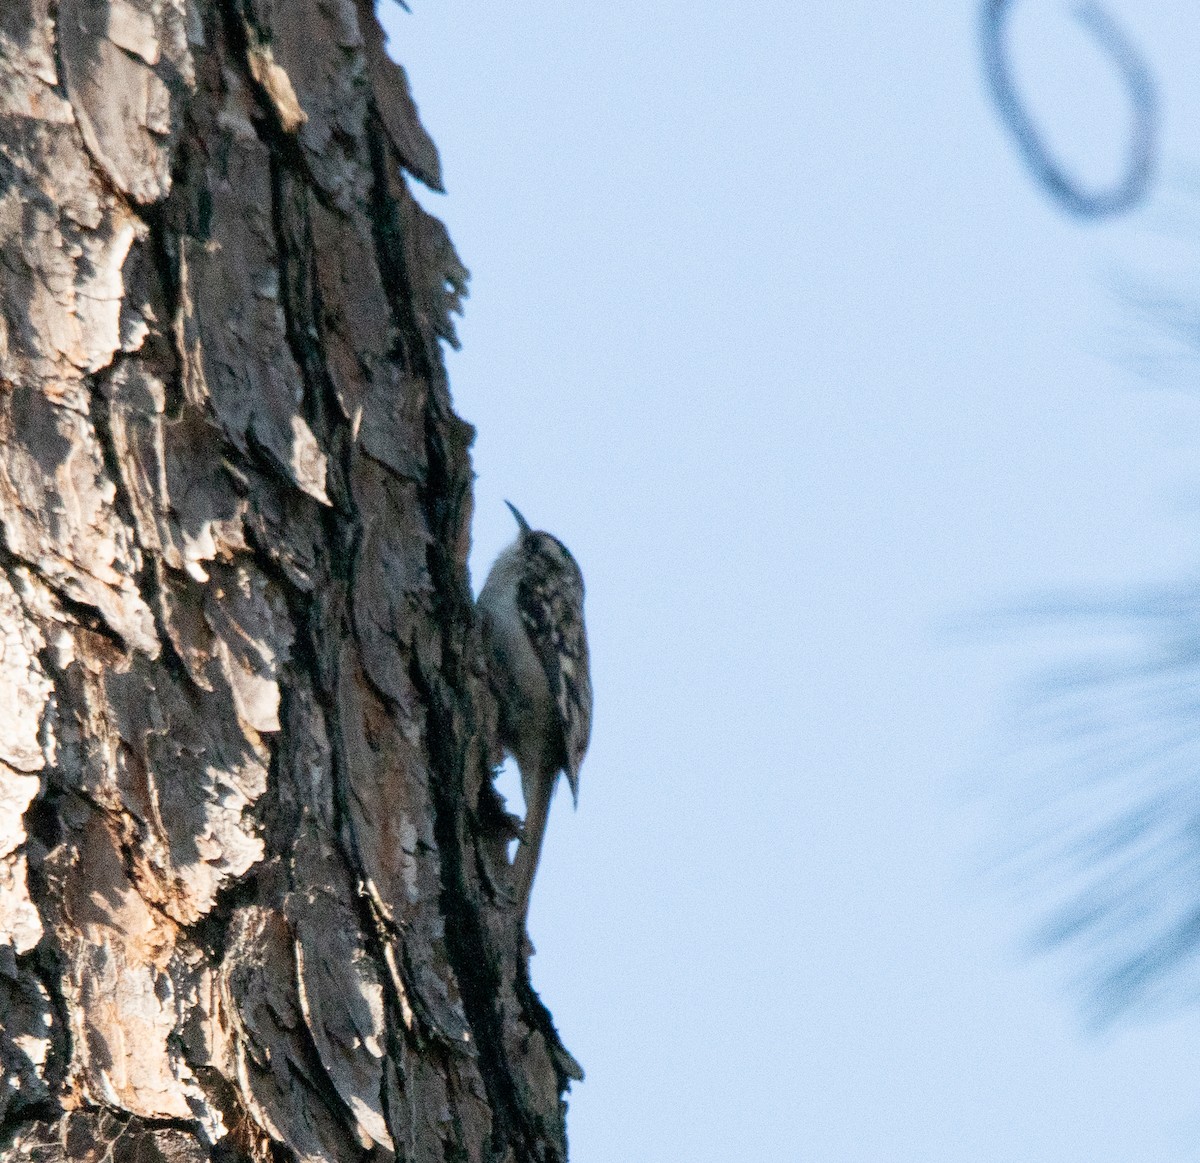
(1108, 745)
(1131, 190)
(1110, 816)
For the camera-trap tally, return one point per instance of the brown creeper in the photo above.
(532, 606)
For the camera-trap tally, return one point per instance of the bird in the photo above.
(532, 609)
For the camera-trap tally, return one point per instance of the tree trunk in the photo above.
(254, 891)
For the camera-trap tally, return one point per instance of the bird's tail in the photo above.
(529, 848)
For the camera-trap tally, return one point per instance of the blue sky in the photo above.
(770, 326)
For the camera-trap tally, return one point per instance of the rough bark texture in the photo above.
(254, 895)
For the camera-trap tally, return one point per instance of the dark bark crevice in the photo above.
(83, 614)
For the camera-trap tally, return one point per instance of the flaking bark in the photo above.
(253, 885)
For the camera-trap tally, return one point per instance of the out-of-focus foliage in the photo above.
(1107, 810)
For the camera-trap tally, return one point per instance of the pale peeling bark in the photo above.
(253, 884)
